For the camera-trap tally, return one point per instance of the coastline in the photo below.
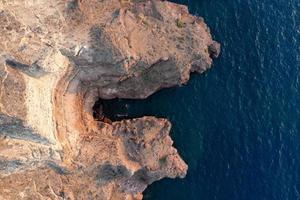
(61, 62)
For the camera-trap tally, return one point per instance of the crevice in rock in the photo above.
(121, 109)
(110, 110)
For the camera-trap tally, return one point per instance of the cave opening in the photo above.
(161, 104)
(111, 110)
(119, 109)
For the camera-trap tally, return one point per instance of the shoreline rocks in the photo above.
(57, 58)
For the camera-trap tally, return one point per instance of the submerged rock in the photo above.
(57, 58)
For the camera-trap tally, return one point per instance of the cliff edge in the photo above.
(59, 57)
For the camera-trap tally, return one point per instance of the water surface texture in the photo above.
(238, 125)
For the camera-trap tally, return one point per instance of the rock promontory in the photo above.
(59, 57)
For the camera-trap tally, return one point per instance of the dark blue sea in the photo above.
(238, 125)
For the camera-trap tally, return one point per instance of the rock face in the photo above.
(57, 58)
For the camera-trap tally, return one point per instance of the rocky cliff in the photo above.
(57, 58)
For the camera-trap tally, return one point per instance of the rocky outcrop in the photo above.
(57, 58)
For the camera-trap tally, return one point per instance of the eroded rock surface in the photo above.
(57, 58)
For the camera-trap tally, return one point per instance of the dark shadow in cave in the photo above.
(120, 109)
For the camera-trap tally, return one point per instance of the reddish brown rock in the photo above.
(57, 58)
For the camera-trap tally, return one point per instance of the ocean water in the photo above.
(238, 125)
